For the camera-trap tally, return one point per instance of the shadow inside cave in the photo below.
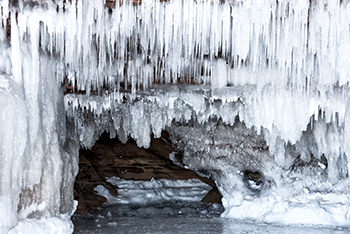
(110, 158)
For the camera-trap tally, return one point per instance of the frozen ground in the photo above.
(165, 206)
(178, 217)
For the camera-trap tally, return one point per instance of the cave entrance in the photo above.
(110, 158)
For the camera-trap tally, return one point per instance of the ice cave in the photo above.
(253, 94)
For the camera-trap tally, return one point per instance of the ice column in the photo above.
(37, 162)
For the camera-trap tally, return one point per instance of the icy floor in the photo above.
(165, 206)
(178, 217)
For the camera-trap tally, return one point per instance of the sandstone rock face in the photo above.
(109, 157)
(213, 196)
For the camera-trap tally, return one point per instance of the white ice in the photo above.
(154, 191)
(281, 67)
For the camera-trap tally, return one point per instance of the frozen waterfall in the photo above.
(242, 87)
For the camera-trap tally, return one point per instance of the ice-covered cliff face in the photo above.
(37, 162)
(38, 159)
(280, 67)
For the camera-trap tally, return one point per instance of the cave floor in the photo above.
(178, 217)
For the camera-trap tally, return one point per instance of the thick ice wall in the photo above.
(37, 173)
(12, 143)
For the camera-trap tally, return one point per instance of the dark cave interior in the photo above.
(111, 158)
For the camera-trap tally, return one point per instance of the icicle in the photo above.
(16, 59)
(285, 61)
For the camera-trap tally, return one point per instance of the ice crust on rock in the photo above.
(299, 192)
(154, 191)
(280, 67)
(38, 164)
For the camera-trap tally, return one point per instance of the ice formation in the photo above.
(267, 91)
(154, 191)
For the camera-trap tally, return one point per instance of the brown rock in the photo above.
(109, 157)
(213, 196)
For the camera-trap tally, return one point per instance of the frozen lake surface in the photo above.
(179, 217)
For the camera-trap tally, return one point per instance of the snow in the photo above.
(54, 225)
(281, 68)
